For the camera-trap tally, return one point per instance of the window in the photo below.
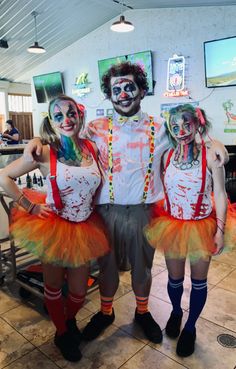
(19, 103)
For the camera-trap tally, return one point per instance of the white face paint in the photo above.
(183, 128)
(65, 117)
(125, 95)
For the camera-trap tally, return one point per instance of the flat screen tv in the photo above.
(143, 58)
(220, 62)
(48, 86)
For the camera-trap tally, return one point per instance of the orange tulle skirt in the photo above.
(194, 239)
(58, 241)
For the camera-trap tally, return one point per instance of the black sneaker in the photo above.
(173, 325)
(74, 330)
(97, 325)
(150, 328)
(68, 347)
(186, 343)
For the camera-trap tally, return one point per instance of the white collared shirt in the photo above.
(130, 147)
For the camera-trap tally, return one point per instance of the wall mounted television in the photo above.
(220, 62)
(48, 86)
(143, 58)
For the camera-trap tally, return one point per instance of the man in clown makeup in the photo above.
(130, 145)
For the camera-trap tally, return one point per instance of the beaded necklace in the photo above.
(110, 159)
(186, 156)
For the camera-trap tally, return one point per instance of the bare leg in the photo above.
(53, 275)
(175, 268)
(77, 279)
(109, 275)
(200, 269)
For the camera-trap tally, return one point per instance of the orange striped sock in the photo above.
(142, 304)
(106, 305)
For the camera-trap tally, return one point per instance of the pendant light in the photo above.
(122, 25)
(35, 48)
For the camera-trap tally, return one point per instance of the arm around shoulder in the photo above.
(32, 149)
(218, 152)
(220, 199)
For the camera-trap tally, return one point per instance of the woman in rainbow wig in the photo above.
(186, 224)
(60, 227)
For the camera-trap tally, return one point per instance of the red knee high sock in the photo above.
(73, 304)
(55, 306)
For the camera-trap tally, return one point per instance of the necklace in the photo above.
(110, 159)
(186, 157)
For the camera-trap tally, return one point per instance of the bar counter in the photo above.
(12, 149)
(10, 153)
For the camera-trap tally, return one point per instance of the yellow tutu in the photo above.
(58, 241)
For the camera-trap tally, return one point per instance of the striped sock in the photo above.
(54, 303)
(198, 298)
(106, 305)
(142, 304)
(73, 304)
(175, 291)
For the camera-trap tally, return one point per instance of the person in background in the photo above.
(60, 227)
(187, 225)
(131, 144)
(11, 134)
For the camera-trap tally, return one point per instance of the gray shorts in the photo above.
(125, 225)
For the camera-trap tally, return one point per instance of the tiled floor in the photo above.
(26, 334)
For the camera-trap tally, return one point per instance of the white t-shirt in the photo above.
(130, 147)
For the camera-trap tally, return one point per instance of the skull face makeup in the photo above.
(125, 95)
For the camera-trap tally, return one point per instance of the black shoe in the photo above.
(68, 347)
(173, 325)
(186, 343)
(97, 325)
(150, 328)
(74, 330)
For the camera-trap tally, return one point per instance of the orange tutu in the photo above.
(179, 238)
(56, 240)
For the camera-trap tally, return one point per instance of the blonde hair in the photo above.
(47, 132)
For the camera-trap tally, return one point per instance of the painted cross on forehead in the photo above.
(124, 89)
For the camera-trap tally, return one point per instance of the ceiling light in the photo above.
(35, 48)
(122, 25)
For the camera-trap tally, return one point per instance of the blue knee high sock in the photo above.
(197, 301)
(175, 290)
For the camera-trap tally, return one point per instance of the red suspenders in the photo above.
(165, 192)
(201, 193)
(53, 173)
